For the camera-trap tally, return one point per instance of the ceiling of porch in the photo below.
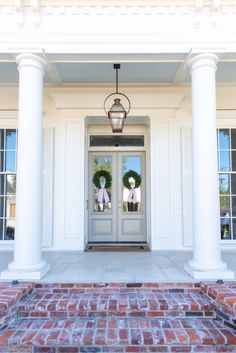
(164, 71)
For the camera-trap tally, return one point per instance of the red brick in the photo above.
(67, 350)
(4, 336)
(231, 338)
(181, 349)
(100, 337)
(112, 336)
(135, 349)
(88, 337)
(193, 336)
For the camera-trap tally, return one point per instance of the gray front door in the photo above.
(117, 210)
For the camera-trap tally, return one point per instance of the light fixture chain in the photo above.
(117, 80)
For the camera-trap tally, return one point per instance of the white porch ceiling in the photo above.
(102, 73)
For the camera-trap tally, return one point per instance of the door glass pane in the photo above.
(102, 180)
(132, 183)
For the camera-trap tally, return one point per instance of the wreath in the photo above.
(106, 175)
(132, 174)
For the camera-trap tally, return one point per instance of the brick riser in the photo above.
(9, 299)
(118, 304)
(224, 298)
(120, 335)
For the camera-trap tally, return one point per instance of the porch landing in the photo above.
(154, 266)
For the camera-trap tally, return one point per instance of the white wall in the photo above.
(169, 153)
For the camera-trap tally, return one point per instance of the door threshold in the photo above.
(116, 247)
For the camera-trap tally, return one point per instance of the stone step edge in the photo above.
(121, 349)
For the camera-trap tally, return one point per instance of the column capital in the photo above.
(31, 60)
(202, 60)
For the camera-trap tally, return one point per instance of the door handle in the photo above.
(119, 204)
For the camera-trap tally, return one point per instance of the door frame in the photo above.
(141, 129)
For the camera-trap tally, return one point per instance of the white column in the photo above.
(206, 262)
(27, 263)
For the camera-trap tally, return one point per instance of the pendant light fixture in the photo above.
(117, 113)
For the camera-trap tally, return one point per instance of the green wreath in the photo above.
(106, 175)
(132, 174)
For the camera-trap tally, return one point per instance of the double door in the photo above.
(117, 209)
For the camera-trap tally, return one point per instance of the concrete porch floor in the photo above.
(155, 266)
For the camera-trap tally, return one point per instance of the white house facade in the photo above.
(65, 176)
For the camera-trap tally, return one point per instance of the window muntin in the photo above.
(8, 154)
(227, 182)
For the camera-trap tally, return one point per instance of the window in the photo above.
(227, 182)
(116, 141)
(8, 151)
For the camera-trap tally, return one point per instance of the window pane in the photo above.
(233, 206)
(10, 230)
(102, 179)
(224, 183)
(10, 161)
(224, 206)
(10, 206)
(224, 161)
(1, 139)
(116, 141)
(234, 229)
(224, 142)
(233, 183)
(132, 184)
(2, 223)
(225, 228)
(2, 206)
(2, 184)
(10, 139)
(11, 184)
(233, 139)
(1, 161)
(233, 161)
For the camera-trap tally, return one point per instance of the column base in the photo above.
(25, 275)
(209, 275)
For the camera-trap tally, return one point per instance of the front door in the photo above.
(117, 197)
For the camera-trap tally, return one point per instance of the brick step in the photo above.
(116, 303)
(117, 335)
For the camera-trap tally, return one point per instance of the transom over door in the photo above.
(117, 197)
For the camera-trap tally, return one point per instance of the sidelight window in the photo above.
(227, 182)
(8, 153)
